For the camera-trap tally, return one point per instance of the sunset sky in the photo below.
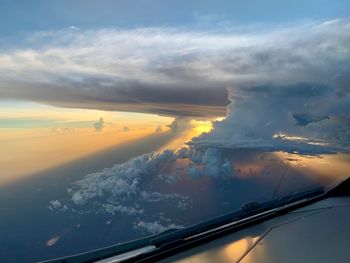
(120, 119)
(77, 77)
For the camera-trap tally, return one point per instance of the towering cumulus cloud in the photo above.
(297, 97)
(302, 117)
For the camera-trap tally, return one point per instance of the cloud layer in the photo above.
(139, 188)
(169, 71)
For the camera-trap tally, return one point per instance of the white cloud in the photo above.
(55, 205)
(258, 115)
(119, 189)
(114, 209)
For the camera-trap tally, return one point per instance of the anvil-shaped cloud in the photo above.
(174, 72)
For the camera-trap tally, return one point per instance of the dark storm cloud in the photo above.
(169, 100)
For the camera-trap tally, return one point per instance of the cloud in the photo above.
(59, 130)
(114, 209)
(55, 205)
(126, 129)
(99, 125)
(180, 124)
(168, 71)
(206, 161)
(118, 189)
(159, 128)
(132, 188)
(168, 178)
(303, 117)
(129, 189)
(74, 28)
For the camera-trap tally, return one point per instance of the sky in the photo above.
(276, 70)
(113, 55)
(19, 16)
(129, 104)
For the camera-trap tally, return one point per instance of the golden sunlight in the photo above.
(235, 250)
(40, 137)
(327, 166)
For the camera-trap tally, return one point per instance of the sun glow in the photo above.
(203, 126)
(327, 166)
(39, 137)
